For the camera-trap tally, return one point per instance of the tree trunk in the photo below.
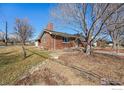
(88, 49)
(6, 42)
(114, 45)
(24, 51)
(117, 48)
(6, 34)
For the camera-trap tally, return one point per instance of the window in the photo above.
(65, 39)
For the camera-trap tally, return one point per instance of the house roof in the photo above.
(60, 34)
(57, 34)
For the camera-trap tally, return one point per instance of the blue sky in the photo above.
(38, 15)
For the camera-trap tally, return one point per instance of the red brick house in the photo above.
(52, 40)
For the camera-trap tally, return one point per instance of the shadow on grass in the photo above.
(29, 55)
(9, 58)
(41, 55)
(6, 60)
(6, 53)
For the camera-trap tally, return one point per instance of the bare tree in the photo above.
(115, 27)
(2, 35)
(24, 31)
(89, 19)
(6, 35)
(13, 38)
(122, 41)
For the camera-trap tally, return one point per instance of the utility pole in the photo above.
(6, 26)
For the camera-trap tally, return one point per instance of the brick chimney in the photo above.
(50, 26)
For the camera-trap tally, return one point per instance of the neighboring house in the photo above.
(52, 40)
(110, 43)
(103, 43)
(94, 44)
(2, 40)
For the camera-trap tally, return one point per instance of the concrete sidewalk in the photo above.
(109, 53)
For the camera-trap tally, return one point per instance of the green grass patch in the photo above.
(13, 66)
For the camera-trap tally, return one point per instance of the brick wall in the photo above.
(48, 38)
(61, 45)
(49, 42)
(55, 42)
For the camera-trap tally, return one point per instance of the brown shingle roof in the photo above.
(56, 33)
(60, 34)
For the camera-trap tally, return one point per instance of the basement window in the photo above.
(65, 40)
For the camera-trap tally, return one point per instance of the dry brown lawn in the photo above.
(71, 68)
(75, 68)
(104, 66)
